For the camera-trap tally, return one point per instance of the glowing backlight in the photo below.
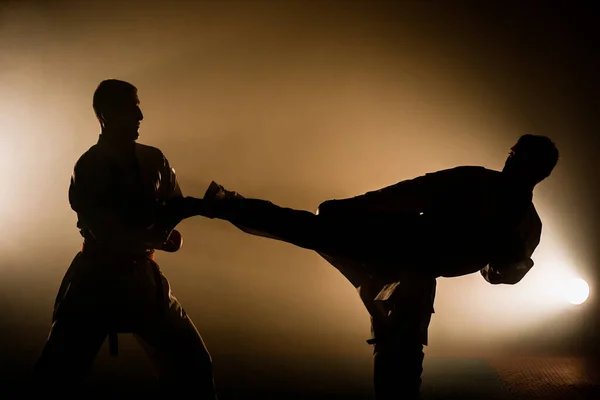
(576, 291)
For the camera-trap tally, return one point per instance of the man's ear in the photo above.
(101, 119)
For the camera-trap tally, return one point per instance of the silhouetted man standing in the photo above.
(128, 203)
(393, 243)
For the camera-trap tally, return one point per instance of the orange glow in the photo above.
(295, 105)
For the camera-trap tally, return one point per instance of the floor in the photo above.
(531, 378)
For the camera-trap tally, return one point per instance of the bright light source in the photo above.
(576, 291)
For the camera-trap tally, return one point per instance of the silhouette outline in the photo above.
(393, 243)
(128, 202)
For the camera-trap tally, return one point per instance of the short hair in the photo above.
(111, 93)
(542, 149)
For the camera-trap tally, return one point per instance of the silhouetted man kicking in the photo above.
(128, 203)
(393, 243)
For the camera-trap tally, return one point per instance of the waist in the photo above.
(117, 249)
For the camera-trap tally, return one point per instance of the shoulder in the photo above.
(468, 170)
(151, 154)
(92, 160)
(148, 150)
(471, 175)
(92, 171)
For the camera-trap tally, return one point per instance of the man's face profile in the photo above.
(124, 117)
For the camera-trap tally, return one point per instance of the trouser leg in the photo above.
(399, 336)
(67, 356)
(374, 241)
(355, 240)
(263, 218)
(178, 352)
(398, 365)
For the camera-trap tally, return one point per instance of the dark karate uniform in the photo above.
(113, 284)
(393, 243)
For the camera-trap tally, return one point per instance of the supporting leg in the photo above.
(399, 338)
(178, 352)
(67, 355)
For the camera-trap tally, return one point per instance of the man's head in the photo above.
(531, 159)
(116, 105)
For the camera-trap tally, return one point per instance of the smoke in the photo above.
(297, 104)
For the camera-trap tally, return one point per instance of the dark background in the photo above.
(299, 102)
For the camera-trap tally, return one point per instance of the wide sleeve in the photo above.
(171, 202)
(513, 257)
(170, 187)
